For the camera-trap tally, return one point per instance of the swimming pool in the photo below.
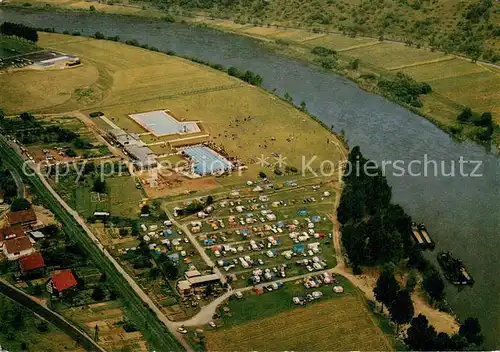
(206, 161)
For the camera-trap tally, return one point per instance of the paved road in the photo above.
(49, 315)
(197, 245)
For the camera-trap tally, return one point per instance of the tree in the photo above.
(171, 270)
(98, 294)
(2, 114)
(465, 115)
(20, 204)
(387, 288)
(433, 284)
(210, 200)
(471, 330)
(288, 97)
(303, 106)
(99, 185)
(43, 326)
(354, 64)
(99, 35)
(92, 8)
(262, 174)
(145, 209)
(401, 309)
(420, 335)
(26, 117)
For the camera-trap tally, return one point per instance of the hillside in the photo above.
(471, 27)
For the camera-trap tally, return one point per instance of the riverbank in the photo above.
(384, 130)
(456, 82)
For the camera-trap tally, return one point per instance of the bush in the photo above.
(99, 35)
(322, 51)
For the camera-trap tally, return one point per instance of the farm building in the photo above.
(60, 282)
(24, 218)
(144, 157)
(16, 248)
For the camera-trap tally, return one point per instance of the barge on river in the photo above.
(454, 270)
(421, 236)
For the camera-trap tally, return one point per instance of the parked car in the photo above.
(182, 330)
(212, 324)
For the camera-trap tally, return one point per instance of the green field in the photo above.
(10, 46)
(116, 201)
(20, 332)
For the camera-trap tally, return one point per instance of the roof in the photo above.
(63, 280)
(143, 155)
(21, 217)
(11, 232)
(183, 285)
(37, 234)
(202, 279)
(31, 262)
(192, 273)
(18, 244)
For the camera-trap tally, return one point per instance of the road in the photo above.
(161, 331)
(49, 315)
(21, 193)
(197, 245)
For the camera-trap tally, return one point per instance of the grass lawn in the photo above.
(272, 321)
(10, 46)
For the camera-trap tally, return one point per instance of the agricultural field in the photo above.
(454, 80)
(115, 332)
(344, 319)
(390, 55)
(340, 42)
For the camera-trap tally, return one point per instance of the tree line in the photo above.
(19, 30)
(405, 89)
(484, 126)
(377, 232)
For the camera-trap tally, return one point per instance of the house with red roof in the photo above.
(61, 281)
(18, 247)
(31, 263)
(10, 232)
(24, 218)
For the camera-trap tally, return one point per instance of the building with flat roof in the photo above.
(195, 282)
(143, 156)
(123, 138)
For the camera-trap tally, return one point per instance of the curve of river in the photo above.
(461, 213)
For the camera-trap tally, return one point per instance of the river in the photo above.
(461, 213)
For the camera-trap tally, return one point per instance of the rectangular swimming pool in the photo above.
(206, 161)
(160, 123)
